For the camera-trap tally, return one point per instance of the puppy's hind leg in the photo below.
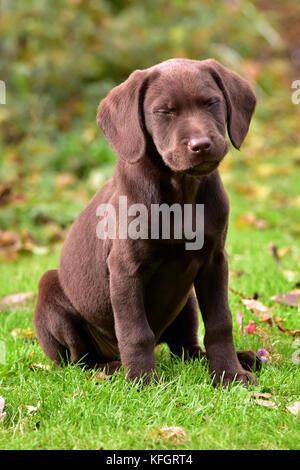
(182, 334)
(59, 327)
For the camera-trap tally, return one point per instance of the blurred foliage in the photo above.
(59, 58)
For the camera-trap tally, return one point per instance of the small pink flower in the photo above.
(250, 328)
(239, 318)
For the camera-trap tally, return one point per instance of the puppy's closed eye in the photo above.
(166, 111)
(212, 102)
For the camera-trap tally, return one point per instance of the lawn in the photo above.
(58, 61)
(74, 410)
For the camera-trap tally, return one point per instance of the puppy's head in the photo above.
(183, 106)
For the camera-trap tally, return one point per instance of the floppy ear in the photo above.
(240, 101)
(120, 116)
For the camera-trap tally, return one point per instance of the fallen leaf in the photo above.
(296, 201)
(292, 298)
(268, 169)
(284, 251)
(39, 366)
(296, 228)
(260, 395)
(2, 413)
(281, 327)
(254, 305)
(250, 220)
(253, 191)
(236, 273)
(174, 434)
(9, 241)
(267, 317)
(100, 376)
(281, 199)
(5, 193)
(294, 408)
(267, 403)
(32, 409)
(64, 179)
(24, 333)
(284, 329)
(17, 298)
(265, 169)
(291, 276)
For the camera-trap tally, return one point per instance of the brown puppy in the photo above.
(113, 299)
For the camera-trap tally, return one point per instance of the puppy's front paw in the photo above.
(249, 360)
(245, 377)
(145, 376)
(226, 377)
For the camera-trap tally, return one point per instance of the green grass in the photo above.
(114, 414)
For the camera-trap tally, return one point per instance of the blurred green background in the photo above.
(59, 58)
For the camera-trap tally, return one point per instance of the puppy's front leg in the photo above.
(211, 287)
(134, 335)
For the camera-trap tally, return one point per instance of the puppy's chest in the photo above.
(167, 287)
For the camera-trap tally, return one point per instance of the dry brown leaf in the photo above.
(292, 298)
(32, 409)
(24, 333)
(260, 395)
(266, 170)
(253, 191)
(294, 408)
(291, 276)
(98, 377)
(255, 305)
(236, 273)
(9, 241)
(267, 317)
(64, 179)
(39, 366)
(296, 228)
(101, 376)
(17, 298)
(280, 326)
(284, 251)
(284, 329)
(174, 434)
(250, 220)
(296, 201)
(266, 403)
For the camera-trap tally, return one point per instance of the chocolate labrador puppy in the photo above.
(113, 299)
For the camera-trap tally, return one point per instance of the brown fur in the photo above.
(111, 301)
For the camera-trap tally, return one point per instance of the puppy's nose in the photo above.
(199, 144)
